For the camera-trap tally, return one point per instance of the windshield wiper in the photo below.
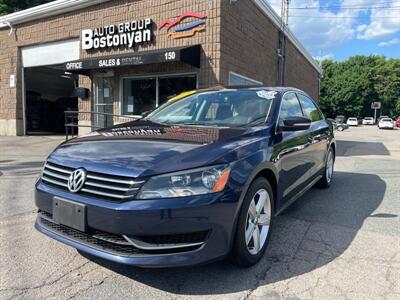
(257, 121)
(198, 123)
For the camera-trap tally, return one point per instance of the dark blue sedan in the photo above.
(198, 179)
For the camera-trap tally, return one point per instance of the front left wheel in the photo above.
(254, 224)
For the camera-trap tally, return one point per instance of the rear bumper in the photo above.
(214, 213)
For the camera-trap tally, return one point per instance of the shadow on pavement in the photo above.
(21, 168)
(314, 231)
(352, 148)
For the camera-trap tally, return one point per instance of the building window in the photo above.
(139, 95)
(170, 86)
(144, 94)
(237, 79)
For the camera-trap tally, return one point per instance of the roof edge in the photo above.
(45, 10)
(276, 19)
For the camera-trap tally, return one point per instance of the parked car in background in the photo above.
(386, 123)
(397, 122)
(380, 118)
(340, 119)
(368, 121)
(195, 180)
(352, 121)
(338, 126)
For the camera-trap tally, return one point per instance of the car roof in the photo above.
(281, 89)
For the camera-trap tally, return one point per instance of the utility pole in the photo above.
(282, 43)
(285, 12)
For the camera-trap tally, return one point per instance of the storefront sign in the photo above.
(126, 34)
(189, 55)
(187, 30)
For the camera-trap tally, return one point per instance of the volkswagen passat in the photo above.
(199, 178)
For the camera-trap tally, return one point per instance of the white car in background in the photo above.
(368, 121)
(352, 122)
(386, 123)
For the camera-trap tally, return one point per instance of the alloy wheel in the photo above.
(258, 221)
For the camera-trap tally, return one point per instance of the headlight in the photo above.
(186, 183)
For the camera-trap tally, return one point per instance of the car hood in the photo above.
(143, 148)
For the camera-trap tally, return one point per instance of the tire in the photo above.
(246, 254)
(326, 180)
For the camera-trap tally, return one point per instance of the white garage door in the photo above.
(50, 53)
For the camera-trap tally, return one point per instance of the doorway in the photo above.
(104, 100)
(49, 92)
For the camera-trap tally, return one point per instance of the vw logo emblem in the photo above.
(76, 180)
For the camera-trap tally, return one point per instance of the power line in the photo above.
(340, 17)
(376, 5)
(348, 8)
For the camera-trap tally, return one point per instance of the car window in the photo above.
(310, 109)
(290, 106)
(247, 107)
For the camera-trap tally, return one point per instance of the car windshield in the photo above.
(228, 108)
(368, 119)
(386, 120)
(352, 119)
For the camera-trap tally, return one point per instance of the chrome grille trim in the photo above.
(57, 169)
(105, 194)
(55, 175)
(54, 182)
(106, 186)
(147, 246)
(97, 184)
(130, 182)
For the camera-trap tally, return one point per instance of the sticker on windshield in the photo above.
(266, 94)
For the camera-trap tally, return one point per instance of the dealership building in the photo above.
(113, 60)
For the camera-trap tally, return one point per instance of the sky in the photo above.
(338, 29)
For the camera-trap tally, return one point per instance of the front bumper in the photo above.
(213, 213)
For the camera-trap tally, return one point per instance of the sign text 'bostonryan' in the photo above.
(127, 34)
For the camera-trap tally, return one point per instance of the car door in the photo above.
(290, 151)
(318, 134)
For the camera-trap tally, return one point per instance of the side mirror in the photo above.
(294, 124)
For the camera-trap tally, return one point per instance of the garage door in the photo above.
(50, 53)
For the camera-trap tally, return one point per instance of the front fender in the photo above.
(245, 171)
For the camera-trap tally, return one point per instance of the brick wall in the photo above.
(249, 43)
(69, 26)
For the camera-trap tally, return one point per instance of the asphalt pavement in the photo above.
(340, 243)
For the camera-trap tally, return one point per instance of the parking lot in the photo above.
(341, 243)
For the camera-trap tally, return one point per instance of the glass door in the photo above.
(104, 100)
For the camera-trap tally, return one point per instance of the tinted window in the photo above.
(309, 108)
(290, 106)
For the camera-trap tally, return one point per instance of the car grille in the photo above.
(117, 244)
(96, 184)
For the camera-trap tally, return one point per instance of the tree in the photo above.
(10, 6)
(349, 87)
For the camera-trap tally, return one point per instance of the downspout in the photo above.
(9, 25)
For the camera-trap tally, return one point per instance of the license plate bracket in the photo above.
(69, 213)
